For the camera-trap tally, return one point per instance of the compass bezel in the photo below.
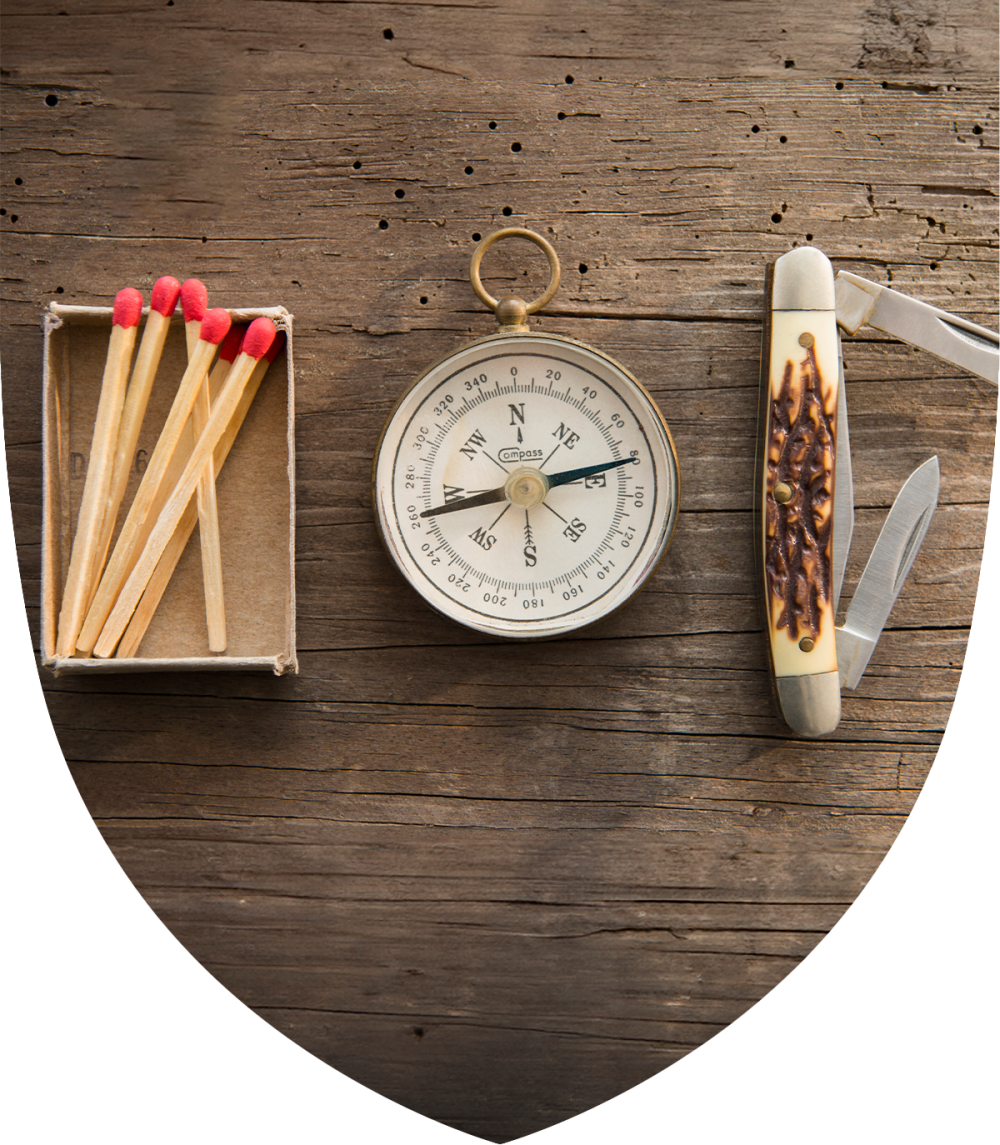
(650, 422)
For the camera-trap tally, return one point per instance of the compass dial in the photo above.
(526, 485)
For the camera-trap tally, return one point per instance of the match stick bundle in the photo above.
(101, 593)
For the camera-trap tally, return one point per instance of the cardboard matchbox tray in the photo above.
(255, 492)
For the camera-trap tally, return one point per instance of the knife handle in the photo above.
(796, 474)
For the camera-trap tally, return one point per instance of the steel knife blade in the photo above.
(963, 343)
(894, 552)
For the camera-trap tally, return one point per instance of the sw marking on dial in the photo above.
(526, 486)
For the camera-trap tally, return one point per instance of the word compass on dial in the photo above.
(526, 485)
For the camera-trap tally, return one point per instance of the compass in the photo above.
(525, 485)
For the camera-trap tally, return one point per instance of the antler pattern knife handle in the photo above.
(796, 473)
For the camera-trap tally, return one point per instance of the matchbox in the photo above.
(255, 494)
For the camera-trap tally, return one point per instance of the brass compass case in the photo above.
(526, 484)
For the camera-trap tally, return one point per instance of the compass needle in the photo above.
(513, 402)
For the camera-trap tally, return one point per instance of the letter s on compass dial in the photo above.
(526, 485)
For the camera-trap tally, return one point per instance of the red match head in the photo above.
(128, 307)
(275, 347)
(215, 326)
(259, 337)
(164, 296)
(194, 300)
(229, 347)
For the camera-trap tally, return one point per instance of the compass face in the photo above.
(526, 485)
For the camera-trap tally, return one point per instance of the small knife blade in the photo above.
(894, 552)
(963, 343)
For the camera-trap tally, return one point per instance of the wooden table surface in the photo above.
(502, 883)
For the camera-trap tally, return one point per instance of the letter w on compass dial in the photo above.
(532, 489)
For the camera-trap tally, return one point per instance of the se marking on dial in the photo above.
(532, 487)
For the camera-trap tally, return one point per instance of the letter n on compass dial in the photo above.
(526, 485)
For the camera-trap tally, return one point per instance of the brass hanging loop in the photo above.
(512, 312)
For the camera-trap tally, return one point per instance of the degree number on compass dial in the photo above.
(526, 485)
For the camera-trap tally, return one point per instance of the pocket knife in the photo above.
(804, 497)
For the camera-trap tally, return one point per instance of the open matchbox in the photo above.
(255, 491)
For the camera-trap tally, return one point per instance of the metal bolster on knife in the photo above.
(794, 495)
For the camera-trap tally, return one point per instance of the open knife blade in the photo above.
(894, 552)
(956, 340)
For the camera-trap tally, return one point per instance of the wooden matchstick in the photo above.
(259, 337)
(161, 307)
(100, 467)
(194, 303)
(141, 515)
(151, 598)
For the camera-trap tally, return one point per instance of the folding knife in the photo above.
(804, 497)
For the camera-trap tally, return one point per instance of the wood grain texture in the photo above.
(500, 884)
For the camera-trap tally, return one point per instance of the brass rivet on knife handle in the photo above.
(807, 644)
(783, 493)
